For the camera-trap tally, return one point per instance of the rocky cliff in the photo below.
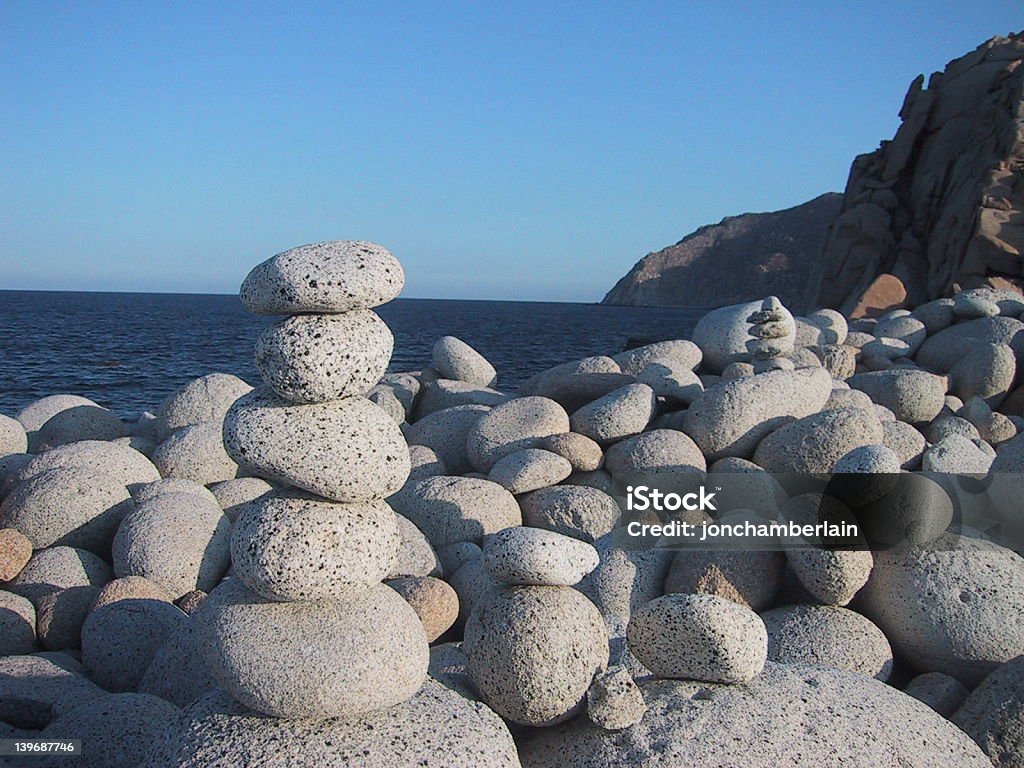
(942, 203)
(739, 259)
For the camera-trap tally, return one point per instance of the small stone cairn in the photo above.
(306, 629)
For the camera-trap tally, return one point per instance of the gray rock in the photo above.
(59, 568)
(827, 636)
(328, 277)
(121, 462)
(905, 328)
(448, 393)
(869, 459)
(436, 727)
(455, 359)
(314, 358)
(116, 731)
(1006, 485)
(207, 398)
(773, 720)
(177, 540)
(905, 441)
(424, 462)
(957, 455)
(68, 506)
(291, 549)
(34, 415)
(614, 700)
(598, 479)
(17, 624)
(673, 381)
(992, 426)
(723, 334)
(60, 615)
(580, 451)
(1008, 302)
(529, 469)
(535, 557)
(749, 578)
(79, 422)
(445, 432)
(10, 466)
(448, 667)
(913, 396)
(814, 444)
(365, 653)
(936, 315)
(993, 715)
(384, 398)
(944, 349)
(415, 555)
(621, 413)
(848, 398)
(346, 450)
(626, 577)
(31, 686)
(832, 577)
(698, 637)
(451, 509)
(131, 588)
(513, 426)
(233, 495)
(832, 326)
(679, 353)
(941, 692)
(120, 640)
(986, 371)
(945, 426)
(578, 511)
(12, 436)
(523, 679)
(15, 552)
(839, 360)
(143, 493)
(472, 583)
(177, 672)
(545, 379)
(731, 418)
(454, 556)
(660, 458)
(435, 602)
(954, 606)
(196, 453)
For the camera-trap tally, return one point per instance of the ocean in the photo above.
(127, 351)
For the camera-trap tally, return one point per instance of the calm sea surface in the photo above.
(127, 351)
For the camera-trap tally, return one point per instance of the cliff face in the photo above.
(740, 259)
(943, 202)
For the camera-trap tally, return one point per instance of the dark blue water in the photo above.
(127, 351)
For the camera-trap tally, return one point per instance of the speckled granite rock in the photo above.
(455, 359)
(518, 424)
(536, 557)
(201, 400)
(450, 509)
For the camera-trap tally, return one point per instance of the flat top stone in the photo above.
(327, 277)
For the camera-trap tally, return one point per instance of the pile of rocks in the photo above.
(422, 565)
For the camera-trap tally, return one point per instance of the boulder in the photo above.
(38, 412)
(435, 602)
(15, 552)
(986, 371)
(520, 423)
(750, 578)
(941, 692)
(177, 672)
(329, 277)
(346, 450)
(529, 469)
(448, 393)
(436, 726)
(660, 458)
(535, 557)
(59, 568)
(954, 605)
(304, 549)
(913, 396)
(446, 432)
(31, 687)
(196, 453)
(827, 636)
(621, 413)
(731, 418)
(79, 422)
(677, 352)
(532, 652)
(580, 451)
(17, 624)
(993, 715)
(362, 654)
(455, 359)
(614, 700)
(60, 615)
(626, 577)
(233, 495)
(125, 464)
(578, 511)
(945, 349)
(723, 334)
(450, 509)
(815, 443)
(832, 577)
(206, 399)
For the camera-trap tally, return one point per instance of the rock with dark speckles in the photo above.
(328, 277)
(287, 548)
(315, 358)
(455, 359)
(311, 660)
(533, 651)
(536, 557)
(575, 510)
(436, 728)
(518, 424)
(698, 637)
(614, 700)
(450, 509)
(345, 450)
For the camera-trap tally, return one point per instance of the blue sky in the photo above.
(501, 150)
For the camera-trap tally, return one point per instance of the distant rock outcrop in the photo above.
(740, 259)
(943, 202)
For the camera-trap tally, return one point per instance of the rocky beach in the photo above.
(791, 535)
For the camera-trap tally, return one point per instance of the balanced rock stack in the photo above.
(306, 629)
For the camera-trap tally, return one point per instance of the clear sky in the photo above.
(522, 150)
